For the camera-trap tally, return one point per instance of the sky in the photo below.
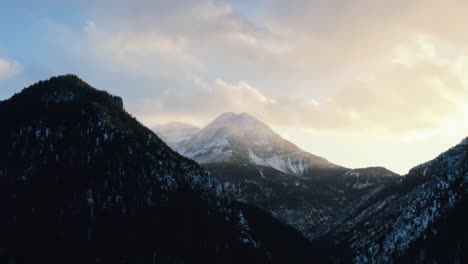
(359, 82)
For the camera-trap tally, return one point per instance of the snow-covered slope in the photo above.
(310, 204)
(240, 139)
(365, 177)
(407, 220)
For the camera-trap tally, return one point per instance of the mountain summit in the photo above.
(243, 139)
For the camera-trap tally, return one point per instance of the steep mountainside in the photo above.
(82, 181)
(261, 168)
(240, 138)
(422, 219)
(310, 204)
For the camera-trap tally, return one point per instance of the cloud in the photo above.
(337, 35)
(210, 98)
(150, 53)
(9, 68)
(417, 91)
(212, 33)
(241, 95)
(377, 66)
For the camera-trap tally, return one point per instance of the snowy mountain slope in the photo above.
(364, 177)
(406, 219)
(310, 204)
(241, 138)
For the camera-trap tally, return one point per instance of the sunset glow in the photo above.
(361, 83)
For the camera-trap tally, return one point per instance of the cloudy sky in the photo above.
(358, 82)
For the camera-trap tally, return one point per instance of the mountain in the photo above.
(82, 181)
(309, 204)
(421, 219)
(241, 138)
(173, 133)
(370, 215)
(259, 167)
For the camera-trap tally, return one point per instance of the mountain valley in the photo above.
(82, 181)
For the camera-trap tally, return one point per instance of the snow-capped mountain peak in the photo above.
(236, 126)
(242, 138)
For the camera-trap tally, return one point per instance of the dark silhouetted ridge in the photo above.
(65, 89)
(82, 181)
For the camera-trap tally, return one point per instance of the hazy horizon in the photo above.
(360, 83)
